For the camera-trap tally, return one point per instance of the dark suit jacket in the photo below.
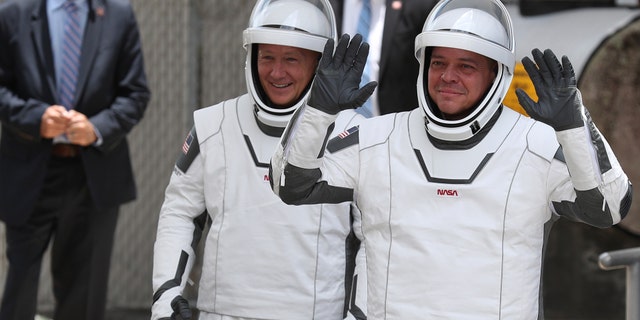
(398, 65)
(112, 92)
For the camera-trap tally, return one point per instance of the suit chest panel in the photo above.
(241, 158)
(443, 220)
(417, 182)
(237, 186)
(261, 244)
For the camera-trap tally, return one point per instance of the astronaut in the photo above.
(262, 258)
(456, 197)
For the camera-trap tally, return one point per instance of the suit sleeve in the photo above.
(300, 172)
(131, 94)
(180, 225)
(601, 191)
(19, 112)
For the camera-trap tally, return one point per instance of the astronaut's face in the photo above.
(458, 79)
(285, 72)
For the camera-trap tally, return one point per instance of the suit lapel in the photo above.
(90, 44)
(42, 44)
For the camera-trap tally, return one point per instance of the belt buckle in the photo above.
(63, 150)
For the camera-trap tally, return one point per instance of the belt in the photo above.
(63, 150)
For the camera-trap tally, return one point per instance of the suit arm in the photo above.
(181, 222)
(18, 114)
(131, 93)
(602, 190)
(298, 173)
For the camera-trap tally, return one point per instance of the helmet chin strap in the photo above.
(470, 142)
(270, 124)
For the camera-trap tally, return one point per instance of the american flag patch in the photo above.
(344, 139)
(346, 133)
(187, 143)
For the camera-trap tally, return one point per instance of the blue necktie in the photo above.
(71, 43)
(364, 22)
(364, 25)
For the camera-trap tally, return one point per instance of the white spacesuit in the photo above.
(454, 220)
(263, 259)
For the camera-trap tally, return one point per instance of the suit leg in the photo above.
(26, 245)
(81, 256)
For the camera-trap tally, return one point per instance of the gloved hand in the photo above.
(337, 81)
(559, 102)
(181, 310)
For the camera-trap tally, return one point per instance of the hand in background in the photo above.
(55, 121)
(80, 131)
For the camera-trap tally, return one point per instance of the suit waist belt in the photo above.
(63, 150)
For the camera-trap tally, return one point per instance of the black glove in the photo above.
(559, 102)
(337, 82)
(181, 310)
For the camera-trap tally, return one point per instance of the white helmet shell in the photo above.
(306, 24)
(480, 26)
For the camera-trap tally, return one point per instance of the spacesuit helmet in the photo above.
(480, 26)
(306, 24)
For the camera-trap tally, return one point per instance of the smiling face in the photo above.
(458, 79)
(285, 72)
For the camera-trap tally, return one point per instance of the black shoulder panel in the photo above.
(344, 140)
(190, 149)
(560, 155)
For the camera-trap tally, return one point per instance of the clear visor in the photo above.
(480, 26)
(306, 24)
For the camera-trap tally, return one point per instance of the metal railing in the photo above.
(629, 259)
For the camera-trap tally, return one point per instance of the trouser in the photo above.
(80, 253)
